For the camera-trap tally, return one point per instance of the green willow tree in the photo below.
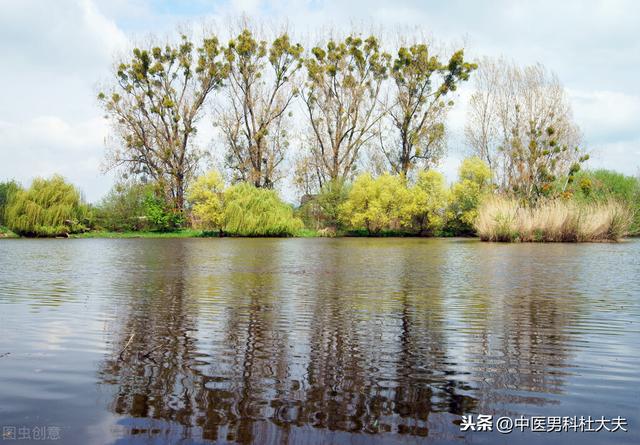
(154, 104)
(341, 97)
(421, 84)
(240, 210)
(254, 118)
(7, 190)
(50, 207)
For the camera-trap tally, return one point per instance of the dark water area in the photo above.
(315, 341)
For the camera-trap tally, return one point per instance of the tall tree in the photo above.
(482, 129)
(341, 97)
(253, 119)
(420, 89)
(154, 104)
(520, 122)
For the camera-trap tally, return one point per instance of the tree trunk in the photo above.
(179, 193)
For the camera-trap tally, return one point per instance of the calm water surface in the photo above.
(315, 341)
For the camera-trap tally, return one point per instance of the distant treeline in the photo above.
(363, 107)
(363, 151)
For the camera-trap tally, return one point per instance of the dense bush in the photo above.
(427, 203)
(474, 184)
(135, 206)
(50, 207)
(206, 198)
(241, 210)
(123, 209)
(322, 211)
(604, 185)
(160, 215)
(332, 195)
(376, 204)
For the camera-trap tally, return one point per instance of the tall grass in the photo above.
(505, 219)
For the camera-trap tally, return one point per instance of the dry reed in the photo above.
(505, 219)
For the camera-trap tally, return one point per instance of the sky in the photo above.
(54, 55)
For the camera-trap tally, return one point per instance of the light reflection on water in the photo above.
(315, 340)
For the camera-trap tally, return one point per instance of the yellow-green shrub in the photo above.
(473, 185)
(428, 202)
(206, 198)
(376, 204)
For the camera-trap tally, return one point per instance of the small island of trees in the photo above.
(360, 128)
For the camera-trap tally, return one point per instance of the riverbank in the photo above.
(191, 233)
(6, 233)
(303, 233)
(185, 233)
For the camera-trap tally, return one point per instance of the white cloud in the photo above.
(245, 6)
(48, 144)
(54, 53)
(611, 125)
(622, 156)
(65, 36)
(606, 115)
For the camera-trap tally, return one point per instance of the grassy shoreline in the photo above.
(193, 233)
(6, 233)
(304, 233)
(188, 233)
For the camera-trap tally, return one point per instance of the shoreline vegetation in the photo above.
(196, 234)
(595, 206)
(507, 220)
(362, 144)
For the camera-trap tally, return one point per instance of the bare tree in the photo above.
(261, 86)
(520, 122)
(307, 176)
(154, 104)
(482, 130)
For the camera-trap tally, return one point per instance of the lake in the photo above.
(314, 341)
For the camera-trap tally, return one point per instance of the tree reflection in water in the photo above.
(253, 340)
